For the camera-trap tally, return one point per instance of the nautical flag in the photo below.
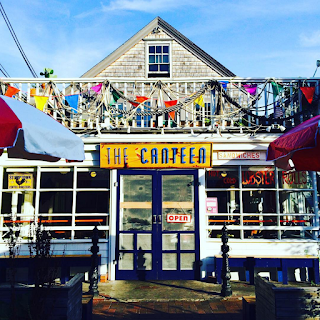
(276, 88)
(224, 84)
(251, 88)
(40, 102)
(169, 104)
(141, 99)
(308, 93)
(97, 88)
(199, 101)
(73, 102)
(11, 91)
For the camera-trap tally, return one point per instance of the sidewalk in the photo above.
(168, 300)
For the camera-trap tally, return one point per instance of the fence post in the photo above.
(93, 288)
(225, 272)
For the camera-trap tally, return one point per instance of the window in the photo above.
(70, 201)
(261, 203)
(158, 60)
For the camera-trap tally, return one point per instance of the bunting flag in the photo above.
(40, 102)
(141, 99)
(11, 91)
(135, 104)
(224, 84)
(308, 93)
(251, 88)
(115, 97)
(276, 88)
(97, 88)
(169, 104)
(199, 102)
(73, 102)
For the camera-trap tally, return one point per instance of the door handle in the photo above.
(159, 219)
(154, 219)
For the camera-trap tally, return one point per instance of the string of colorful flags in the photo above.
(171, 106)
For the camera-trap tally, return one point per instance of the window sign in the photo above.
(258, 178)
(212, 205)
(20, 181)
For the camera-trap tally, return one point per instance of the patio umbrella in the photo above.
(29, 133)
(300, 144)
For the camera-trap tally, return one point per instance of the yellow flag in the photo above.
(199, 101)
(40, 102)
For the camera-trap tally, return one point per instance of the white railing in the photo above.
(278, 103)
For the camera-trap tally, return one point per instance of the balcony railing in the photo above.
(234, 104)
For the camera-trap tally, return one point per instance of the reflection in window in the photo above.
(51, 180)
(222, 178)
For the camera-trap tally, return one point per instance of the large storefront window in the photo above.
(260, 203)
(69, 201)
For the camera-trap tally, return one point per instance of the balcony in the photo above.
(204, 105)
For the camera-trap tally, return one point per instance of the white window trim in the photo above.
(157, 42)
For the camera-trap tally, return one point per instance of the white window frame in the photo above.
(158, 43)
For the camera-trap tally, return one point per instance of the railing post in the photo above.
(225, 272)
(93, 275)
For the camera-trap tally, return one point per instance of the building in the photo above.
(175, 147)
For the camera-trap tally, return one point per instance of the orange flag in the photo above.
(169, 104)
(308, 92)
(141, 99)
(11, 91)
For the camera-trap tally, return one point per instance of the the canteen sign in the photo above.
(155, 155)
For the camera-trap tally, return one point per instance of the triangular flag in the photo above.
(276, 88)
(97, 88)
(135, 104)
(308, 93)
(251, 88)
(73, 102)
(115, 95)
(40, 102)
(169, 104)
(224, 84)
(199, 101)
(11, 91)
(141, 99)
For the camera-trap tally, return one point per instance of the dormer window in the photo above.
(158, 60)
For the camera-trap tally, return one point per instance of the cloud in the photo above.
(311, 39)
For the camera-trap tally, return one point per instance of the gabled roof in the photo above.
(174, 34)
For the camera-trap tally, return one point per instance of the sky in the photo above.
(252, 38)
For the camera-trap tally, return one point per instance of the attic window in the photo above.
(158, 61)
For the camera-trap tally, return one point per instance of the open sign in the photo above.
(178, 218)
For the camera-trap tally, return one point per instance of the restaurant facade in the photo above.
(161, 186)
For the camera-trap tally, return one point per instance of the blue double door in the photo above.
(157, 225)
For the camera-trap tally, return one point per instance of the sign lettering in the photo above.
(155, 155)
(178, 218)
(20, 181)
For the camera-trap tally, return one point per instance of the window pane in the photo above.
(56, 180)
(158, 59)
(158, 49)
(164, 67)
(87, 234)
(152, 59)
(228, 202)
(258, 177)
(259, 201)
(153, 67)
(165, 59)
(187, 261)
(165, 49)
(55, 202)
(295, 180)
(93, 179)
(151, 49)
(92, 201)
(222, 178)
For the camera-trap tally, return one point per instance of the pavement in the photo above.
(174, 299)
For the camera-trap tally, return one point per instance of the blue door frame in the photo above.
(156, 254)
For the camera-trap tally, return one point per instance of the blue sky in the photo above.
(252, 38)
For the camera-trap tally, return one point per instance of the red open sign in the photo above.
(178, 218)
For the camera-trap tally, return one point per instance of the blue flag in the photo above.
(73, 102)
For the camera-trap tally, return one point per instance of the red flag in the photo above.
(11, 91)
(141, 99)
(135, 104)
(169, 104)
(308, 92)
